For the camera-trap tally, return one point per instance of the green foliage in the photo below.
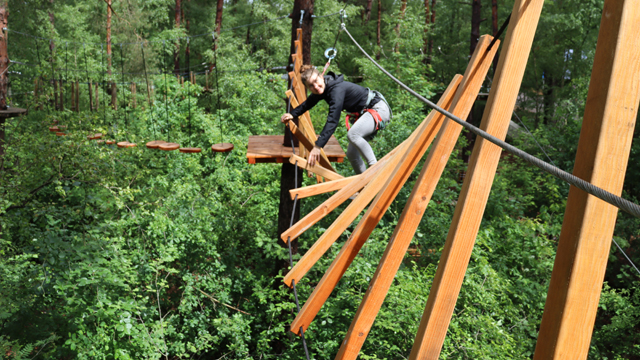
(135, 253)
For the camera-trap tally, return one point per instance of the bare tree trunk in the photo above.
(367, 11)
(219, 8)
(61, 95)
(109, 36)
(114, 95)
(403, 9)
(476, 14)
(176, 52)
(433, 23)
(378, 29)
(97, 102)
(427, 20)
(90, 96)
(133, 94)
(55, 94)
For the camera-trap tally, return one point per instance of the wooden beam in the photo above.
(324, 161)
(334, 201)
(322, 188)
(401, 168)
(306, 118)
(478, 180)
(317, 169)
(298, 86)
(601, 159)
(416, 205)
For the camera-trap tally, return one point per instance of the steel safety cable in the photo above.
(601, 194)
(295, 203)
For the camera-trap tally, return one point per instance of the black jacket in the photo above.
(340, 95)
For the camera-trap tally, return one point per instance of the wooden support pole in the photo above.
(402, 167)
(414, 210)
(603, 153)
(322, 188)
(324, 160)
(477, 183)
(317, 169)
(341, 196)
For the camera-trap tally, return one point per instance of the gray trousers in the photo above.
(359, 136)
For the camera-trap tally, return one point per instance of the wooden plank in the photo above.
(424, 135)
(267, 148)
(478, 180)
(322, 188)
(309, 145)
(415, 208)
(319, 170)
(601, 159)
(298, 86)
(341, 196)
(306, 118)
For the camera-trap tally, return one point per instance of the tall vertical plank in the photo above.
(429, 128)
(603, 152)
(414, 209)
(477, 184)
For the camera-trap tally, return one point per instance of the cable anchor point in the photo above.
(301, 16)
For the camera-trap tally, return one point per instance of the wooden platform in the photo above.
(269, 149)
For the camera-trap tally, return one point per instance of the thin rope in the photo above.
(146, 77)
(499, 33)
(215, 60)
(591, 189)
(625, 255)
(124, 104)
(534, 138)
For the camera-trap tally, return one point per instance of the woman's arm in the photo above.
(336, 102)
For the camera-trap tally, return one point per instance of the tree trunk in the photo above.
(97, 102)
(55, 95)
(114, 96)
(109, 36)
(133, 94)
(403, 9)
(4, 64)
(427, 20)
(476, 18)
(433, 23)
(73, 97)
(90, 96)
(378, 29)
(77, 96)
(176, 52)
(219, 9)
(367, 11)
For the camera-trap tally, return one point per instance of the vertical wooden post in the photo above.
(477, 185)
(416, 205)
(603, 152)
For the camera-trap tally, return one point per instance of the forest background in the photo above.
(134, 253)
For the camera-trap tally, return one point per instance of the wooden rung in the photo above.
(305, 118)
(414, 210)
(322, 188)
(391, 180)
(324, 161)
(298, 86)
(341, 196)
(317, 169)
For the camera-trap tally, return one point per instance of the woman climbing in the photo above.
(368, 113)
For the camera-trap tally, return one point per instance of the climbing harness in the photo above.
(380, 124)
